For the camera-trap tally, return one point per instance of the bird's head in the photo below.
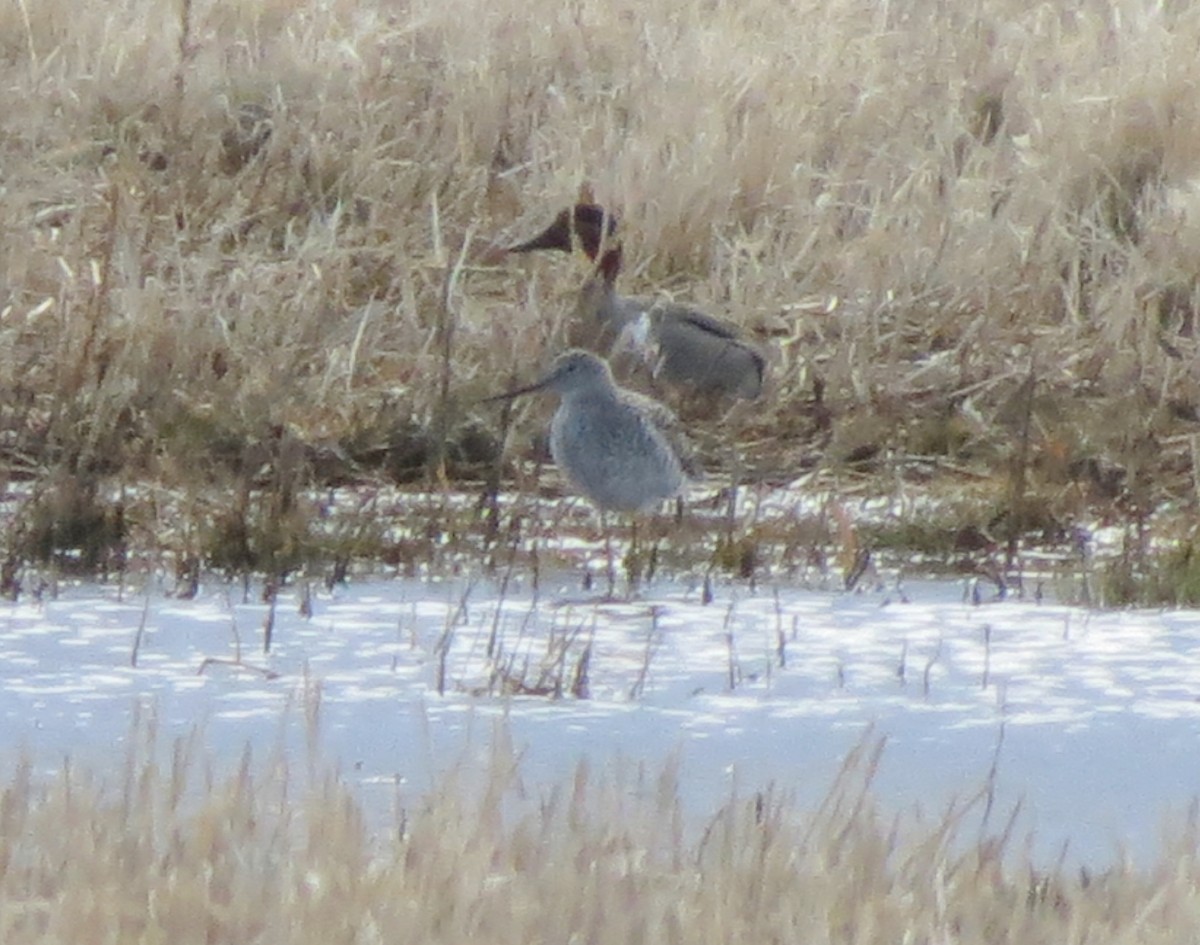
(587, 226)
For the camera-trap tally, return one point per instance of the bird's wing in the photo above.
(685, 317)
(701, 320)
(668, 424)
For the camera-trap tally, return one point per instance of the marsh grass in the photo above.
(968, 236)
(1141, 573)
(174, 845)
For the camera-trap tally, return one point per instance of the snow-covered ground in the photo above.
(1093, 719)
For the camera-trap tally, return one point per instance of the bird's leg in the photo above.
(633, 557)
(656, 534)
(735, 481)
(731, 431)
(609, 569)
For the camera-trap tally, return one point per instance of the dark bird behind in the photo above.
(682, 346)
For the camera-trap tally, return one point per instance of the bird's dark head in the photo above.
(586, 225)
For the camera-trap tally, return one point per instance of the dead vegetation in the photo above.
(173, 846)
(244, 245)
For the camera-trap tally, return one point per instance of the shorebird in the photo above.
(623, 451)
(682, 347)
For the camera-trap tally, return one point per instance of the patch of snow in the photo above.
(1092, 718)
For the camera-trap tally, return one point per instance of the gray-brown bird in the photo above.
(683, 347)
(624, 451)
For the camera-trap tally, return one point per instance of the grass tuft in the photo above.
(73, 527)
(1149, 577)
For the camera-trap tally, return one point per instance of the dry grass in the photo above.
(968, 233)
(171, 851)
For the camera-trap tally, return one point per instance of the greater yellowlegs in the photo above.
(623, 451)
